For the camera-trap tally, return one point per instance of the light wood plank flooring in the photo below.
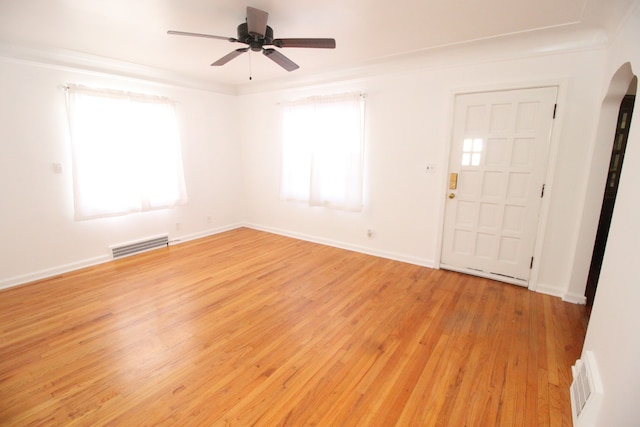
(250, 328)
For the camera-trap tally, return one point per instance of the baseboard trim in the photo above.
(565, 296)
(423, 262)
(55, 271)
(549, 290)
(574, 298)
(89, 262)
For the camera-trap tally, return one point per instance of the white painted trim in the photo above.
(530, 44)
(552, 160)
(59, 59)
(442, 183)
(554, 142)
(574, 298)
(423, 262)
(543, 288)
(89, 262)
(54, 271)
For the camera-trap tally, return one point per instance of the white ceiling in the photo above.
(366, 31)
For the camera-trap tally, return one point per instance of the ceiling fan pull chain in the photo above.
(250, 78)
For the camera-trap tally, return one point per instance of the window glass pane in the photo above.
(125, 152)
(321, 164)
(466, 159)
(616, 162)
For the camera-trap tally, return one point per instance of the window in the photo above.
(471, 152)
(125, 151)
(322, 151)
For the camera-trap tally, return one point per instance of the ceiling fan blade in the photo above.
(208, 36)
(280, 59)
(312, 43)
(257, 22)
(228, 57)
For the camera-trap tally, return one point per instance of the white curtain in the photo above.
(125, 152)
(322, 151)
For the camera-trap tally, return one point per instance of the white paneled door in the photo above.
(497, 168)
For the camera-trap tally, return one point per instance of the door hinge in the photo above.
(555, 107)
(542, 192)
(531, 265)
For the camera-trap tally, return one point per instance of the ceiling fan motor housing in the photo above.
(256, 34)
(255, 43)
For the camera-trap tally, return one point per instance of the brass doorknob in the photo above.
(452, 196)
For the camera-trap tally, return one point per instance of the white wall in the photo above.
(232, 173)
(39, 234)
(408, 126)
(232, 160)
(612, 334)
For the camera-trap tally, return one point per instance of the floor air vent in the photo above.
(586, 390)
(580, 388)
(139, 246)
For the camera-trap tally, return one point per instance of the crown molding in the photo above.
(549, 41)
(545, 42)
(84, 62)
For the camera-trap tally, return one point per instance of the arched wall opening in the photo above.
(616, 163)
(597, 178)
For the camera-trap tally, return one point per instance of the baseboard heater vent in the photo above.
(586, 390)
(126, 249)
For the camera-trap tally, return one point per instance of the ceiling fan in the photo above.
(256, 34)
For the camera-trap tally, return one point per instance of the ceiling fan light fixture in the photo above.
(256, 34)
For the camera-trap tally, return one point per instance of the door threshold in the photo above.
(486, 275)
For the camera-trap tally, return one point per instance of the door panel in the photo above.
(499, 151)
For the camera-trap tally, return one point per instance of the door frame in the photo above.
(556, 131)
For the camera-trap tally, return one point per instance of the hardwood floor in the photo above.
(249, 328)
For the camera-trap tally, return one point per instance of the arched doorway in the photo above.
(619, 103)
(611, 189)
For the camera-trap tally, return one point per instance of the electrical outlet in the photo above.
(177, 226)
(370, 233)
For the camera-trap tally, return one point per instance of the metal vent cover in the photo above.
(580, 389)
(586, 391)
(126, 249)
